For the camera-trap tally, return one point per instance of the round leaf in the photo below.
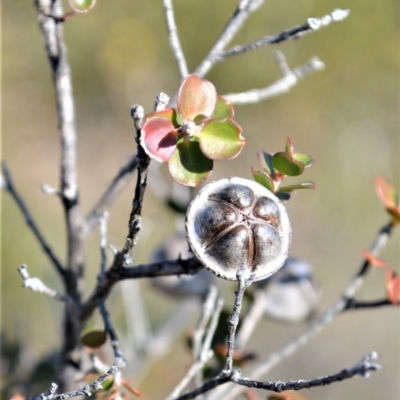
(82, 5)
(94, 339)
(386, 192)
(289, 146)
(169, 113)
(196, 96)
(158, 138)
(295, 186)
(287, 165)
(188, 165)
(263, 179)
(224, 108)
(304, 159)
(221, 139)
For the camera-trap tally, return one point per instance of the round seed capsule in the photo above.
(234, 223)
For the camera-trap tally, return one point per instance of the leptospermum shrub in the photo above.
(190, 137)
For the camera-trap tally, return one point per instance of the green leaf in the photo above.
(263, 179)
(295, 186)
(283, 195)
(224, 108)
(221, 139)
(285, 164)
(188, 165)
(168, 113)
(289, 146)
(107, 384)
(196, 96)
(82, 5)
(304, 158)
(94, 339)
(265, 161)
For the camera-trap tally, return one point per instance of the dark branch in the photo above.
(354, 304)
(9, 186)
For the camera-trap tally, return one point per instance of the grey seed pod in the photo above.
(236, 222)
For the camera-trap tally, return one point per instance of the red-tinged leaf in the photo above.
(287, 395)
(287, 165)
(129, 387)
(94, 339)
(265, 161)
(17, 396)
(250, 394)
(393, 286)
(82, 5)
(374, 261)
(159, 138)
(224, 108)
(289, 146)
(188, 165)
(221, 139)
(395, 213)
(296, 186)
(263, 179)
(196, 96)
(386, 192)
(304, 158)
(169, 113)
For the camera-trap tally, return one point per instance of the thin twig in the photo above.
(317, 325)
(311, 25)
(103, 241)
(174, 39)
(37, 285)
(283, 85)
(8, 185)
(233, 320)
(357, 304)
(85, 391)
(238, 18)
(118, 184)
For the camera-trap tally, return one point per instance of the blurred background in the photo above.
(346, 117)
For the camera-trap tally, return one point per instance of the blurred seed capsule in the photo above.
(291, 295)
(236, 223)
(185, 285)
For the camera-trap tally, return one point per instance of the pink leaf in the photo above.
(196, 96)
(158, 138)
(393, 286)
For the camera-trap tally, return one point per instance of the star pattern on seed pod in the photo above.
(236, 223)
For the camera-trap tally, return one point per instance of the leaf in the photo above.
(393, 286)
(188, 165)
(295, 186)
(283, 196)
(94, 339)
(196, 96)
(289, 146)
(263, 179)
(285, 164)
(158, 138)
(287, 395)
(107, 384)
(304, 158)
(224, 108)
(82, 5)
(387, 194)
(265, 161)
(374, 261)
(169, 113)
(221, 139)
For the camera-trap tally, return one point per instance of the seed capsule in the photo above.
(236, 222)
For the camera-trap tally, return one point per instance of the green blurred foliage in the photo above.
(346, 117)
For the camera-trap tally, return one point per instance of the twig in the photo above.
(118, 184)
(37, 285)
(238, 18)
(204, 355)
(363, 368)
(8, 185)
(103, 241)
(233, 320)
(174, 39)
(85, 391)
(357, 304)
(282, 85)
(176, 267)
(311, 25)
(118, 356)
(316, 325)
